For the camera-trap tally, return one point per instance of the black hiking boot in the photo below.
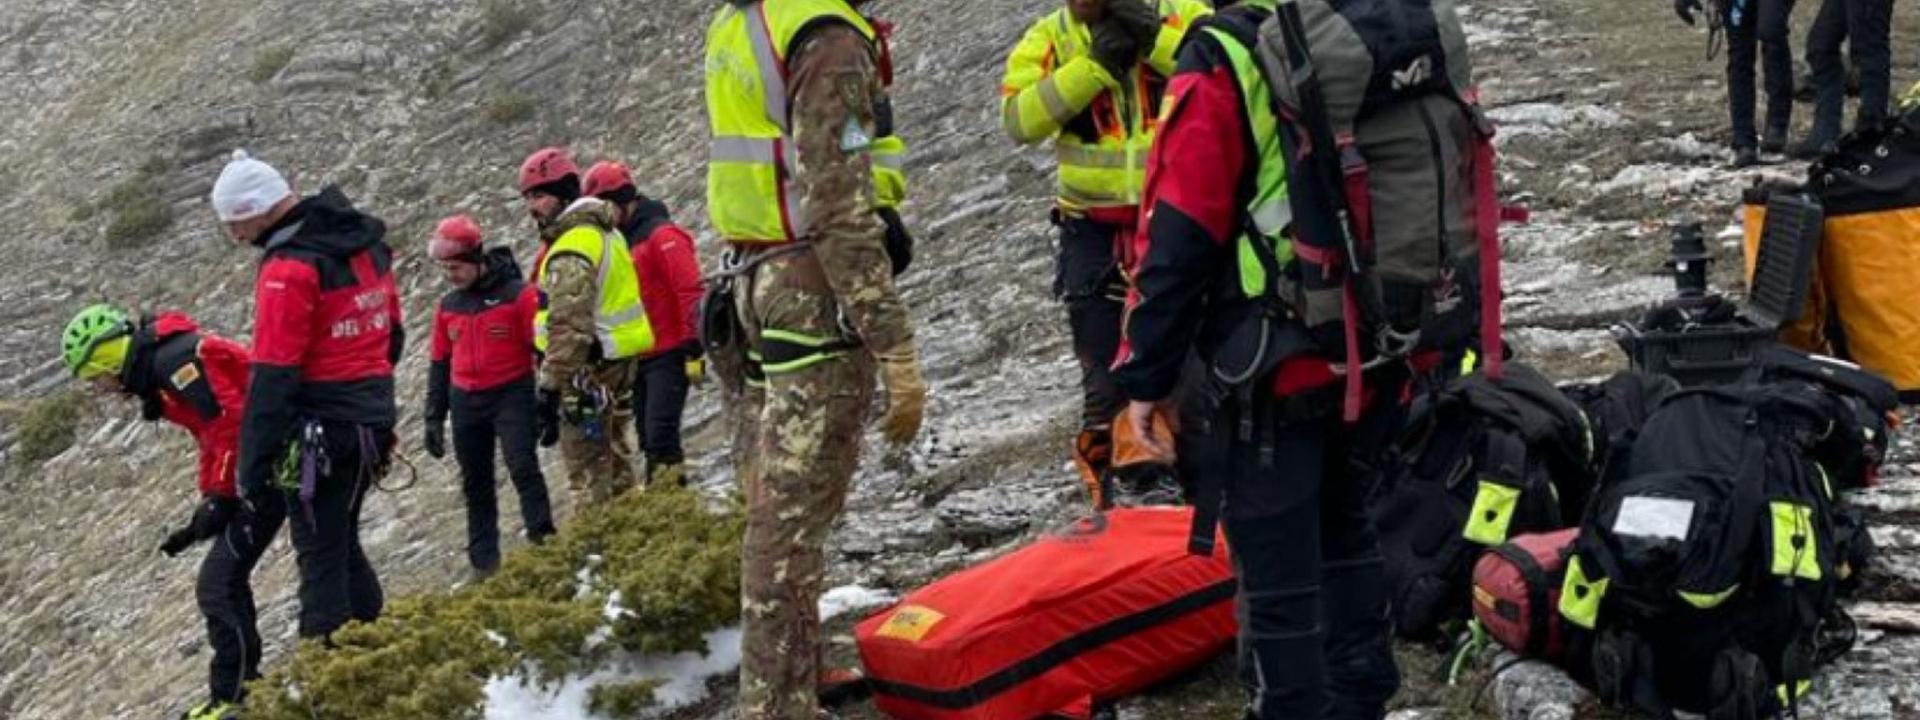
(1774, 141)
(1745, 157)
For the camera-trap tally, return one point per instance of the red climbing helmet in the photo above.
(604, 177)
(544, 166)
(456, 238)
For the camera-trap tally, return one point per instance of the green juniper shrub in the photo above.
(673, 562)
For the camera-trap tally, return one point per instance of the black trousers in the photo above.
(1759, 28)
(1312, 602)
(1088, 280)
(224, 592)
(660, 403)
(506, 415)
(1865, 27)
(337, 583)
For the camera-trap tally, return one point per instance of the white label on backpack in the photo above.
(1654, 517)
(1416, 73)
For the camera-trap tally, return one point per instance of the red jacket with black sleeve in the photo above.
(326, 329)
(1200, 174)
(483, 335)
(669, 269)
(196, 381)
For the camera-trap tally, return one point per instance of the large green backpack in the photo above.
(1391, 182)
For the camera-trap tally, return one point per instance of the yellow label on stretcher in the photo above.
(911, 623)
(1482, 597)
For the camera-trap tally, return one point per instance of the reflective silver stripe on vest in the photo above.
(1055, 103)
(773, 84)
(603, 325)
(628, 316)
(738, 149)
(1089, 156)
(1273, 217)
(891, 161)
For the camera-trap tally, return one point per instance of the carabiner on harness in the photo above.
(587, 407)
(304, 461)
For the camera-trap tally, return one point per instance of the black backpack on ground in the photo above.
(1479, 461)
(1616, 409)
(1710, 573)
(1861, 411)
(1849, 454)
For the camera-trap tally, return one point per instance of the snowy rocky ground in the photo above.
(1612, 126)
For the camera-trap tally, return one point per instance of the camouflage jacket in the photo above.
(834, 84)
(571, 295)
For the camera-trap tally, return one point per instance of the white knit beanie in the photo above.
(247, 189)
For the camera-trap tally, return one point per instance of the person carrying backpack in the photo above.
(197, 381)
(318, 424)
(1313, 306)
(483, 352)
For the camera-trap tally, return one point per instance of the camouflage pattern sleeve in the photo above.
(834, 84)
(571, 297)
(570, 300)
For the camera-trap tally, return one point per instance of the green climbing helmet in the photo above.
(94, 326)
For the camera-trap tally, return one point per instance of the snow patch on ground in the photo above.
(1539, 118)
(1549, 238)
(684, 675)
(1658, 180)
(841, 600)
(1688, 146)
(1584, 343)
(1497, 28)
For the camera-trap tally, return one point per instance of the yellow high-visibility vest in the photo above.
(619, 320)
(751, 157)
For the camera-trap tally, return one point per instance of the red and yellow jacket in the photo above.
(1101, 126)
(197, 381)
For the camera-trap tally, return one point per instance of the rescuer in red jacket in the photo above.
(670, 290)
(483, 363)
(197, 381)
(1312, 589)
(320, 411)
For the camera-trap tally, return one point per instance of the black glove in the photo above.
(1685, 9)
(547, 417)
(899, 241)
(210, 517)
(1115, 47)
(1140, 20)
(436, 439)
(177, 542)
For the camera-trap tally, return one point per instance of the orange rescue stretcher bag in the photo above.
(1110, 606)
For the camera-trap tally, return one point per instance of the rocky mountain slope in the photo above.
(116, 114)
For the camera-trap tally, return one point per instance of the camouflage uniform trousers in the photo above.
(601, 468)
(799, 446)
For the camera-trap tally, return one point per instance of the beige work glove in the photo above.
(906, 395)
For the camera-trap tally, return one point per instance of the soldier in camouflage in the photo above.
(819, 310)
(594, 394)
